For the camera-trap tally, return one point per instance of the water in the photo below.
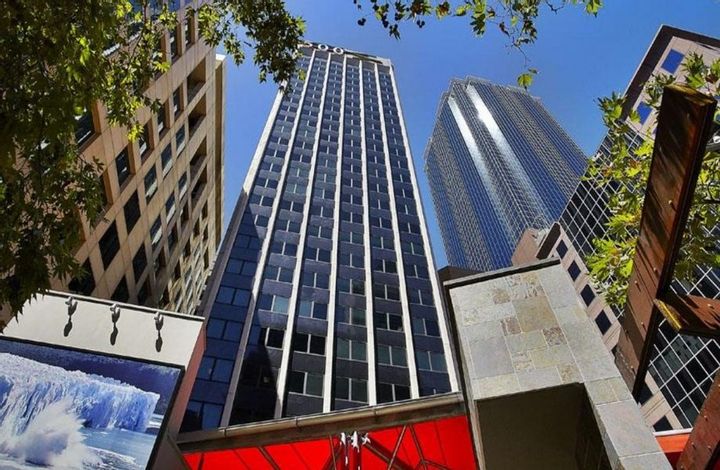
(115, 449)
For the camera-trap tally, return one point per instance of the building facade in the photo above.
(160, 227)
(497, 163)
(681, 367)
(324, 296)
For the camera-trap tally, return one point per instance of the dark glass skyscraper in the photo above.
(497, 163)
(324, 296)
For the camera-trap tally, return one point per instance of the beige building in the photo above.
(681, 368)
(160, 228)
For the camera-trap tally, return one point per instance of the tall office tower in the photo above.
(497, 163)
(682, 367)
(324, 295)
(161, 225)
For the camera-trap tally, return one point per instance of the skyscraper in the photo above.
(157, 234)
(324, 295)
(681, 367)
(497, 163)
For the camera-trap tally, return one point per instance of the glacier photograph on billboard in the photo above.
(62, 408)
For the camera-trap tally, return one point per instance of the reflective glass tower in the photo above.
(497, 163)
(324, 296)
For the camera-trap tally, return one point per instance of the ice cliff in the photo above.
(28, 387)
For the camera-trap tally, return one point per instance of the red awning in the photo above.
(443, 443)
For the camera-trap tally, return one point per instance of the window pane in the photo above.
(432, 328)
(296, 381)
(343, 348)
(384, 393)
(314, 385)
(300, 342)
(132, 212)
(280, 305)
(150, 183)
(358, 316)
(342, 388)
(359, 390)
(317, 344)
(122, 165)
(383, 353)
(109, 245)
(423, 362)
(398, 356)
(402, 392)
(359, 351)
(222, 370)
(275, 338)
(438, 361)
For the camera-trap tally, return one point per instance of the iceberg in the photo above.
(28, 387)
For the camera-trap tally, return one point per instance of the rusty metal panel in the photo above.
(702, 450)
(684, 124)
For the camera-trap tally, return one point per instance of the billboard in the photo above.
(63, 408)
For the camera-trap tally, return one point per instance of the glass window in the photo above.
(182, 185)
(275, 338)
(156, 232)
(167, 159)
(358, 389)
(587, 295)
(84, 127)
(643, 111)
(280, 304)
(144, 140)
(574, 270)
(561, 249)
(180, 139)
(132, 212)
(603, 322)
(122, 165)
(173, 43)
(151, 185)
(139, 262)
(109, 245)
(187, 27)
(170, 207)
(162, 118)
(672, 61)
(177, 101)
(317, 344)
(314, 385)
(296, 382)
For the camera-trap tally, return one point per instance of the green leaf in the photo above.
(525, 79)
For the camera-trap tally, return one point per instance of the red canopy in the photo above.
(443, 443)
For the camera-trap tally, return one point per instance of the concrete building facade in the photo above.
(497, 163)
(324, 296)
(682, 367)
(154, 242)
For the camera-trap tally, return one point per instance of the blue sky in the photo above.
(579, 57)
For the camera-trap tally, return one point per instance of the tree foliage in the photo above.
(57, 57)
(626, 169)
(516, 19)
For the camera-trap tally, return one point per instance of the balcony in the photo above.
(197, 162)
(195, 81)
(194, 122)
(198, 189)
